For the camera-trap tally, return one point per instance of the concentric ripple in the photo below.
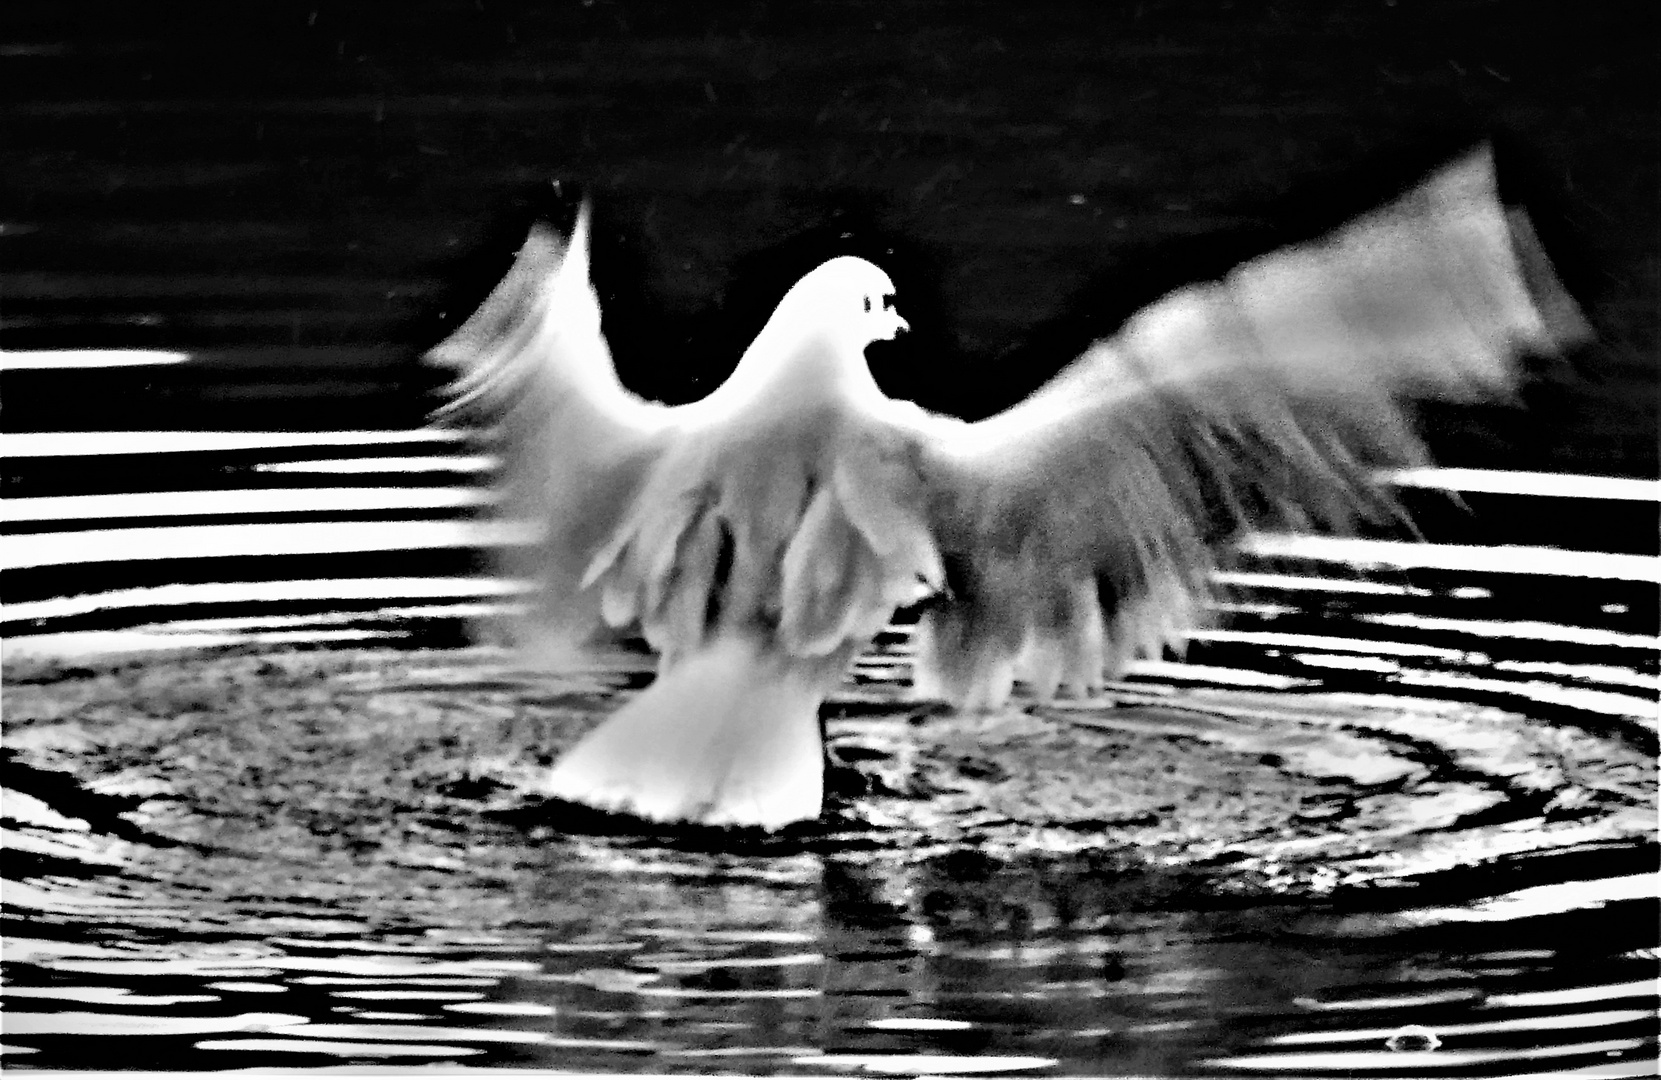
(310, 858)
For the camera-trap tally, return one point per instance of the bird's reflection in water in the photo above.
(623, 952)
(834, 959)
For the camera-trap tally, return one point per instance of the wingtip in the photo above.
(1565, 325)
(579, 227)
(576, 252)
(1468, 187)
(1472, 179)
(545, 255)
(1468, 180)
(538, 256)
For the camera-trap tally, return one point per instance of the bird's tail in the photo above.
(728, 735)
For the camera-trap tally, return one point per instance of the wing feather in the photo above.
(1266, 398)
(576, 447)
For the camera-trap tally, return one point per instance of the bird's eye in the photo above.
(888, 301)
(867, 303)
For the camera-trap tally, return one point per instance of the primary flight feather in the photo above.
(760, 537)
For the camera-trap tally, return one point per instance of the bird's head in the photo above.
(815, 341)
(847, 297)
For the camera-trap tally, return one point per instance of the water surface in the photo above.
(252, 857)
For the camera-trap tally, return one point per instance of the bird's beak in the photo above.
(885, 323)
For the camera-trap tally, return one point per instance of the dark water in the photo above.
(323, 858)
(1394, 818)
(304, 196)
(623, 956)
(1395, 815)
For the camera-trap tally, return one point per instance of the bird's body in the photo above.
(761, 536)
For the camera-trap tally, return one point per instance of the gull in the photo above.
(760, 537)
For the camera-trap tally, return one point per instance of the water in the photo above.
(1394, 813)
(306, 858)
(1411, 789)
(636, 958)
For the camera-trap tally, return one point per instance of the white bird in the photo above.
(760, 537)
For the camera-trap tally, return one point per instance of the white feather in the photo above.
(761, 536)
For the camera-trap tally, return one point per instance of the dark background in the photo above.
(308, 194)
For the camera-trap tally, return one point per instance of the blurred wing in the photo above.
(1077, 528)
(575, 446)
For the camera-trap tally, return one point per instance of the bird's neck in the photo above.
(799, 374)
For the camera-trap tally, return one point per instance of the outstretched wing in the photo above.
(1077, 528)
(575, 446)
